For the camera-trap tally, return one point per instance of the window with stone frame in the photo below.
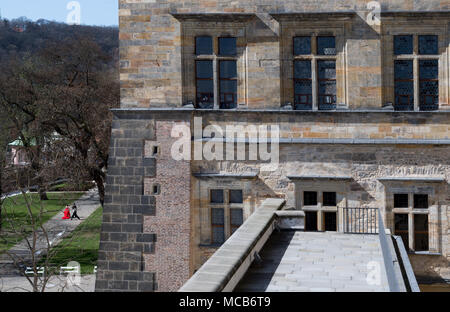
(226, 204)
(411, 220)
(320, 210)
(314, 72)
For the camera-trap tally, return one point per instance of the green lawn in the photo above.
(81, 245)
(15, 214)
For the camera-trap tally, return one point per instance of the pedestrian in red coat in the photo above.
(66, 213)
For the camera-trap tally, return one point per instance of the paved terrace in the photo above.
(308, 261)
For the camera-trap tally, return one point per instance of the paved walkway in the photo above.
(56, 284)
(308, 261)
(56, 229)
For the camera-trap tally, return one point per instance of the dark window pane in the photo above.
(204, 69)
(228, 94)
(420, 200)
(429, 84)
(404, 85)
(302, 45)
(236, 197)
(217, 216)
(203, 45)
(327, 84)
(403, 44)
(217, 196)
(310, 220)
(421, 232)
(326, 46)
(329, 198)
(237, 218)
(227, 46)
(428, 44)
(218, 235)
(330, 221)
(228, 69)
(302, 85)
(401, 228)
(218, 222)
(310, 198)
(401, 201)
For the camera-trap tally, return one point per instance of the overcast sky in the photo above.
(92, 12)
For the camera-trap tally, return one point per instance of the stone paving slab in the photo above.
(313, 261)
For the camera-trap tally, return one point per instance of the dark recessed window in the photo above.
(329, 198)
(203, 45)
(228, 84)
(401, 201)
(420, 200)
(218, 225)
(403, 44)
(420, 232)
(236, 197)
(236, 219)
(303, 85)
(404, 85)
(327, 84)
(310, 220)
(302, 45)
(205, 84)
(326, 45)
(310, 198)
(227, 46)
(428, 44)
(330, 223)
(217, 196)
(429, 84)
(401, 228)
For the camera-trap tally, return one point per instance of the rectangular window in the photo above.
(227, 46)
(228, 84)
(329, 198)
(326, 84)
(310, 220)
(236, 219)
(218, 222)
(401, 228)
(401, 201)
(205, 84)
(428, 45)
(421, 201)
(302, 45)
(216, 197)
(303, 84)
(330, 221)
(421, 232)
(236, 197)
(326, 45)
(429, 84)
(310, 198)
(203, 45)
(404, 85)
(403, 44)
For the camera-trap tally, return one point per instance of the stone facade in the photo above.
(157, 223)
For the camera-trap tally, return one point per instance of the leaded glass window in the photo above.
(302, 45)
(228, 84)
(227, 46)
(429, 84)
(236, 219)
(401, 201)
(329, 198)
(326, 45)
(205, 84)
(326, 84)
(216, 197)
(404, 85)
(401, 228)
(309, 198)
(203, 45)
(428, 44)
(421, 201)
(303, 85)
(403, 44)
(235, 197)
(421, 232)
(218, 222)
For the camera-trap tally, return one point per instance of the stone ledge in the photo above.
(227, 266)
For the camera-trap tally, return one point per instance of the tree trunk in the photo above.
(98, 178)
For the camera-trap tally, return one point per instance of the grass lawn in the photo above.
(81, 245)
(15, 214)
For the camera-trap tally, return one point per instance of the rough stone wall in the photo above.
(171, 223)
(123, 243)
(151, 47)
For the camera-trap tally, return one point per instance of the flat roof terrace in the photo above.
(311, 261)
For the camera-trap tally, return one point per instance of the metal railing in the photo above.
(361, 220)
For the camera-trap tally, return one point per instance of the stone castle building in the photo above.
(359, 91)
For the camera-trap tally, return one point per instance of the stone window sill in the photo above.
(427, 253)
